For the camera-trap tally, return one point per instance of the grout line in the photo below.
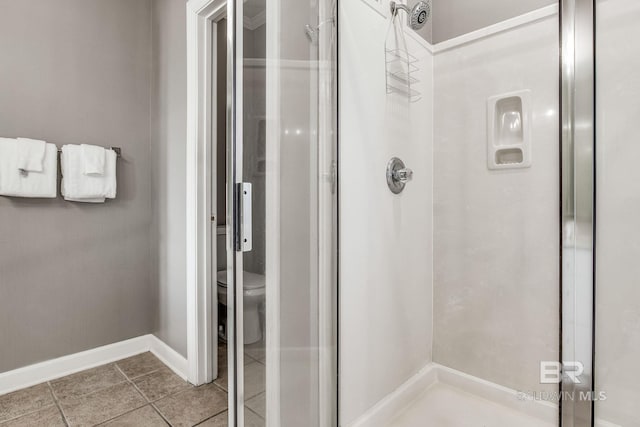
(129, 378)
(126, 379)
(250, 356)
(155, 408)
(264, 393)
(124, 413)
(254, 412)
(27, 413)
(219, 386)
(57, 403)
(142, 375)
(213, 416)
(30, 412)
(102, 389)
(133, 384)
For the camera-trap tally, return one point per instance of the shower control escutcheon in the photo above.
(398, 175)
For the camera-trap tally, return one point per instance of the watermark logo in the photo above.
(556, 396)
(552, 372)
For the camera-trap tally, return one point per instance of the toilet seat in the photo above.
(251, 280)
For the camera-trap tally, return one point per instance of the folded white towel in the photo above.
(94, 159)
(30, 154)
(96, 200)
(78, 187)
(30, 184)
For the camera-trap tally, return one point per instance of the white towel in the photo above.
(78, 187)
(96, 200)
(32, 184)
(30, 154)
(94, 159)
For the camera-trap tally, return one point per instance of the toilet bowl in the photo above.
(253, 297)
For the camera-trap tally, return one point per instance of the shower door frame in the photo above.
(577, 216)
(201, 17)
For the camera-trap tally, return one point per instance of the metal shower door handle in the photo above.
(245, 231)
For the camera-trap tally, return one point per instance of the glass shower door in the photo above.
(283, 202)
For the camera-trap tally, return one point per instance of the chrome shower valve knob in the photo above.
(403, 175)
(398, 175)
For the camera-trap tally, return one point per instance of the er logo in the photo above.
(551, 372)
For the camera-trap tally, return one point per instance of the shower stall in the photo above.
(496, 287)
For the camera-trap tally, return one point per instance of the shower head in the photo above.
(418, 14)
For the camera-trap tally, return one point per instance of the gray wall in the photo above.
(168, 124)
(452, 18)
(76, 276)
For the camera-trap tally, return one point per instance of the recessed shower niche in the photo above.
(509, 130)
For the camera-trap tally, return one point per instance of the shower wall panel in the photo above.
(496, 232)
(453, 18)
(386, 239)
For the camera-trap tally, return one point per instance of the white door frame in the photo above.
(202, 296)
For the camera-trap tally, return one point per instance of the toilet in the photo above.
(254, 292)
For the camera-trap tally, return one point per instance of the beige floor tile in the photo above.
(86, 382)
(258, 404)
(141, 364)
(223, 378)
(22, 402)
(159, 384)
(250, 420)
(48, 417)
(254, 379)
(143, 417)
(220, 420)
(256, 351)
(223, 373)
(253, 420)
(103, 405)
(189, 407)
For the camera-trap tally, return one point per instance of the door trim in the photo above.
(202, 307)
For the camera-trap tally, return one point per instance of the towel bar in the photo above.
(118, 150)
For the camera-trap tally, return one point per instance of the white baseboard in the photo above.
(56, 368)
(385, 411)
(174, 360)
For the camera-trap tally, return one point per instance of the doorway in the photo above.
(269, 266)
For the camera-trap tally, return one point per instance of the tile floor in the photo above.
(139, 391)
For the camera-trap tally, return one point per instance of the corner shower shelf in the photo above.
(402, 77)
(400, 65)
